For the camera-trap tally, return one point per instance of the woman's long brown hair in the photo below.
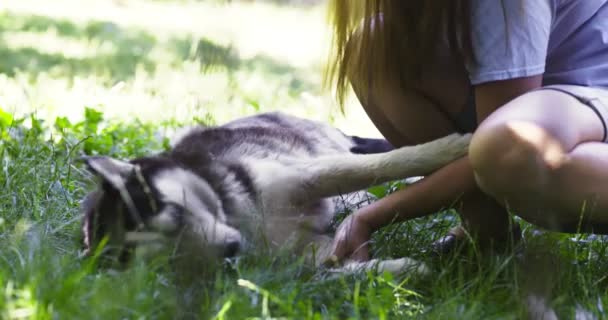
(394, 38)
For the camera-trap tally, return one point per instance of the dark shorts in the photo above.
(593, 97)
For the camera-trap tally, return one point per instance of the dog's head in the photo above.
(154, 200)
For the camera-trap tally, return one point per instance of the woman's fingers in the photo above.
(351, 240)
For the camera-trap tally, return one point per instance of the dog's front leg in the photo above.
(317, 249)
(333, 175)
(320, 250)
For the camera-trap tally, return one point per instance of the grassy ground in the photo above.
(116, 77)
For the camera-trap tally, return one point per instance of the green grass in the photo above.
(74, 83)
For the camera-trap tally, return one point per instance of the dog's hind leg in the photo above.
(333, 175)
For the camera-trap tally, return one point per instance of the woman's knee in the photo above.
(514, 158)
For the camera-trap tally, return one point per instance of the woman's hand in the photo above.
(352, 240)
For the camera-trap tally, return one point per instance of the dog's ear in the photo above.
(111, 170)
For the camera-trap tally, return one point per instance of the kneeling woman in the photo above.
(529, 78)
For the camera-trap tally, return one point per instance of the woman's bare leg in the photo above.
(406, 118)
(540, 155)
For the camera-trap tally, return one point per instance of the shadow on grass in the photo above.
(117, 66)
(213, 57)
(210, 55)
(133, 49)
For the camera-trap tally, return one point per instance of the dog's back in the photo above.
(275, 136)
(259, 153)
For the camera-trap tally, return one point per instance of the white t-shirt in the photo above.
(565, 40)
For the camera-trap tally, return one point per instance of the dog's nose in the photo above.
(231, 249)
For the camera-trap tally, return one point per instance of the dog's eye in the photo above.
(175, 210)
(169, 219)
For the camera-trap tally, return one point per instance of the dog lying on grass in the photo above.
(266, 180)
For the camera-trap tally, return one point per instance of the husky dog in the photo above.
(261, 180)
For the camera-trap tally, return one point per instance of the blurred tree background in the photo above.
(161, 60)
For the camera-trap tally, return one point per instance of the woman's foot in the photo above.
(458, 236)
(449, 242)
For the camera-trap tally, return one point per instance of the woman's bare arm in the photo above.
(437, 191)
(442, 189)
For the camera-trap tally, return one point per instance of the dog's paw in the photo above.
(393, 266)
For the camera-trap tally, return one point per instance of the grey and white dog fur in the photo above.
(265, 180)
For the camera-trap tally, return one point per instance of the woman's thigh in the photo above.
(560, 115)
(404, 117)
(534, 155)
(415, 115)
